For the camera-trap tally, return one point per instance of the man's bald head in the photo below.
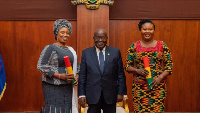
(97, 31)
(100, 38)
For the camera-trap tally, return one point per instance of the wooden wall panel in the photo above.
(182, 37)
(37, 10)
(155, 9)
(21, 43)
(87, 22)
(122, 9)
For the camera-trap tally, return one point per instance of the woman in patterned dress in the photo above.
(56, 83)
(160, 63)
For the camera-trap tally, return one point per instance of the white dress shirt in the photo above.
(98, 50)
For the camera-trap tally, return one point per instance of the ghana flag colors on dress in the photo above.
(2, 78)
(160, 60)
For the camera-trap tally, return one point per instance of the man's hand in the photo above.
(120, 98)
(82, 101)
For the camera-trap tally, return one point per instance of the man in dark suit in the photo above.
(102, 82)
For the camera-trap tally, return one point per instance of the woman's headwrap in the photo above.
(58, 24)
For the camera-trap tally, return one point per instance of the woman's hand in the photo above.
(76, 78)
(67, 77)
(142, 72)
(155, 82)
(63, 76)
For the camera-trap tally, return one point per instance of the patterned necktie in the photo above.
(101, 60)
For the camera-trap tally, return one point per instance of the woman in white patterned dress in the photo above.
(56, 83)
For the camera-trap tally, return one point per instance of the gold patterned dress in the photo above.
(160, 60)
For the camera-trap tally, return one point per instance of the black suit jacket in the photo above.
(93, 83)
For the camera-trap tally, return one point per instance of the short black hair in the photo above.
(143, 21)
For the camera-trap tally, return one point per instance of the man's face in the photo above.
(100, 39)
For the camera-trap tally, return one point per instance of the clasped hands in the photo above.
(144, 72)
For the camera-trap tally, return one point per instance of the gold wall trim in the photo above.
(92, 4)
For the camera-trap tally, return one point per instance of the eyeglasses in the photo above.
(98, 38)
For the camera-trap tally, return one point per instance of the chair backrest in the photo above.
(122, 107)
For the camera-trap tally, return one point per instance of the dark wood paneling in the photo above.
(155, 9)
(21, 43)
(122, 9)
(182, 37)
(37, 10)
(87, 22)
